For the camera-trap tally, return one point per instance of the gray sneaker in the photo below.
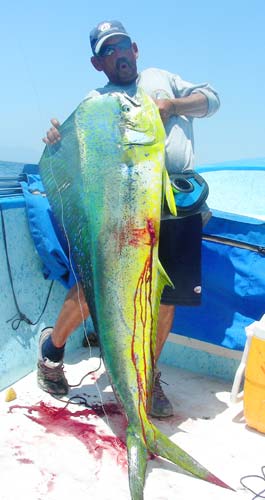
(160, 405)
(50, 375)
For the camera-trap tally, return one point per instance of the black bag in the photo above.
(190, 192)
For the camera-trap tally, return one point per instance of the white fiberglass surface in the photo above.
(49, 450)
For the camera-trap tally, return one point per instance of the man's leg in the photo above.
(74, 311)
(165, 321)
(160, 404)
(50, 374)
(180, 255)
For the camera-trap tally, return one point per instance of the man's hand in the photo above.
(194, 105)
(53, 135)
(166, 108)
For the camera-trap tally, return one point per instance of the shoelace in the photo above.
(158, 391)
(53, 374)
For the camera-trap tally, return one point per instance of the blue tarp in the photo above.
(233, 284)
(49, 240)
(233, 278)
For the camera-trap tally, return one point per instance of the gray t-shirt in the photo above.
(161, 84)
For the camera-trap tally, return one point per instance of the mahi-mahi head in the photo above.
(106, 182)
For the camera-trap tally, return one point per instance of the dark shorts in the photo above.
(180, 255)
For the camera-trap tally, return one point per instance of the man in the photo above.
(180, 239)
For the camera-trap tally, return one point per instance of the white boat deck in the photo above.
(51, 452)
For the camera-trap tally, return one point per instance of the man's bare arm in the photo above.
(193, 105)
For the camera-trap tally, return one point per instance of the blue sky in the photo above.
(46, 69)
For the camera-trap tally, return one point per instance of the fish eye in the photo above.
(126, 108)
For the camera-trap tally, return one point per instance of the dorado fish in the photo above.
(106, 182)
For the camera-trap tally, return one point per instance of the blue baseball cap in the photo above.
(103, 31)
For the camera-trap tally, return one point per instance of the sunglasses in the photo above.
(108, 50)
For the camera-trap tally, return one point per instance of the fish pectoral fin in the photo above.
(137, 462)
(168, 194)
(164, 279)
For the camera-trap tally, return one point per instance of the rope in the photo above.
(258, 483)
(17, 319)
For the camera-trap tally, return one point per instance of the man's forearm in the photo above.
(192, 105)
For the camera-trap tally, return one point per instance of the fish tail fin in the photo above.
(137, 462)
(159, 444)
